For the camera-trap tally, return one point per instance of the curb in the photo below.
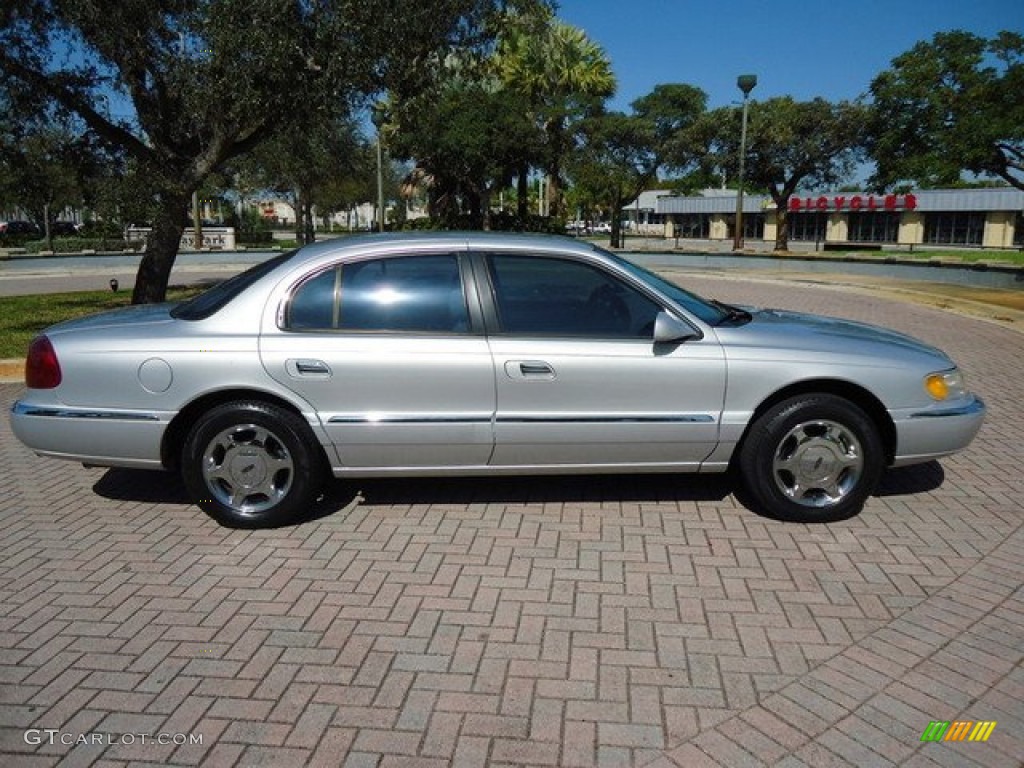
(12, 371)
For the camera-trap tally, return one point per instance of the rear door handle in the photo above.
(529, 369)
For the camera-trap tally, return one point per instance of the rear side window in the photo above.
(217, 297)
(420, 294)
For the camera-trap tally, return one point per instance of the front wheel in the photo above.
(251, 464)
(812, 458)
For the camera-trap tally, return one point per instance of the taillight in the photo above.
(42, 370)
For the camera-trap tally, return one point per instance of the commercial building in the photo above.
(971, 218)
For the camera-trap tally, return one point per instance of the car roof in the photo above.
(390, 242)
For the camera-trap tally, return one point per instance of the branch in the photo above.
(77, 102)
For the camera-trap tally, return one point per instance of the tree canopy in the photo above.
(949, 105)
(209, 81)
(790, 144)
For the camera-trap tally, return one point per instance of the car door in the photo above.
(580, 380)
(386, 351)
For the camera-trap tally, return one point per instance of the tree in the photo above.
(616, 161)
(951, 105)
(789, 144)
(620, 155)
(469, 137)
(307, 167)
(562, 75)
(210, 80)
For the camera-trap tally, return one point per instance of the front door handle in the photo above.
(309, 368)
(536, 369)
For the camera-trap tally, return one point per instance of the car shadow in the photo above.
(340, 495)
(145, 485)
(907, 481)
(166, 488)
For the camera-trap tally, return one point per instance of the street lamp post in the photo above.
(746, 84)
(379, 116)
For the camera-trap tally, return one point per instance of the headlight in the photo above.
(945, 385)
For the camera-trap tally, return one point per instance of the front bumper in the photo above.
(926, 434)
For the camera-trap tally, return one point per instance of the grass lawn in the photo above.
(1000, 257)
(22, 317)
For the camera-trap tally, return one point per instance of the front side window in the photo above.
(407, 294)
(559, 297)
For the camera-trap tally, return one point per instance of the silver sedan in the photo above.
(477, 354)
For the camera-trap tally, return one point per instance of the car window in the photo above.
(405, 293)
(561, 297)
(214, 299)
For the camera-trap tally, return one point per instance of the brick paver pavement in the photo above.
(534, 621)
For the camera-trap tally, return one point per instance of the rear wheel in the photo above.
(251, 464)
(812, 458)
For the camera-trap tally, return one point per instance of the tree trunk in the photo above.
(616, 237)
(485, 209)
(307, 217)
(523, 194)
(782, 224)
(161, 250)
(554, 192)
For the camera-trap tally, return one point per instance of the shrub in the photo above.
(78, 244)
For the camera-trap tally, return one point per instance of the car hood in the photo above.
(128, 316)
(820, 334)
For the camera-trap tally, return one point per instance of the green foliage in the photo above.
(790, 144)
(500, 222)
(468, 138)
(562, 76)
(210, 81)
(953, 104)
(619, 155)
(78, 244)
(251, 228)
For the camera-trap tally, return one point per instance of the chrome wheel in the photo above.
(818, 463)
(813, 458)
(248, 468)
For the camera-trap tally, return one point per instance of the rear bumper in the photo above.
(102, 437)
(926, 434)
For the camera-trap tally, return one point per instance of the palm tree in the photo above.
(563, 74)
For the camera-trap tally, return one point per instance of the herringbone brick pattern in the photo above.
(533, 621)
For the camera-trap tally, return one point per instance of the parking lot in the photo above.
(611, 621)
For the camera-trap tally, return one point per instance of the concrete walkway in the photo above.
(648, 621)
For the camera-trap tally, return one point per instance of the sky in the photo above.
(800, 48)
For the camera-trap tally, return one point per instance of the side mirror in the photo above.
(669, 329)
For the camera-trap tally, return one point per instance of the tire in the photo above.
(811, 459)
(252, 465)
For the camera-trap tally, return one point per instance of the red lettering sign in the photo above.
(855, 203)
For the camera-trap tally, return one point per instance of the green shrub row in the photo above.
(78, 244)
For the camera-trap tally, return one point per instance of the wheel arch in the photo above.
(854, 393)
(177, 430)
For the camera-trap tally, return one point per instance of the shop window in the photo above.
(807, 227)
(693, 225)
(753, 226)
(873, 227)
(954, 228)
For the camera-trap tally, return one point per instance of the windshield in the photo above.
(691, 302)
(209, 302)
